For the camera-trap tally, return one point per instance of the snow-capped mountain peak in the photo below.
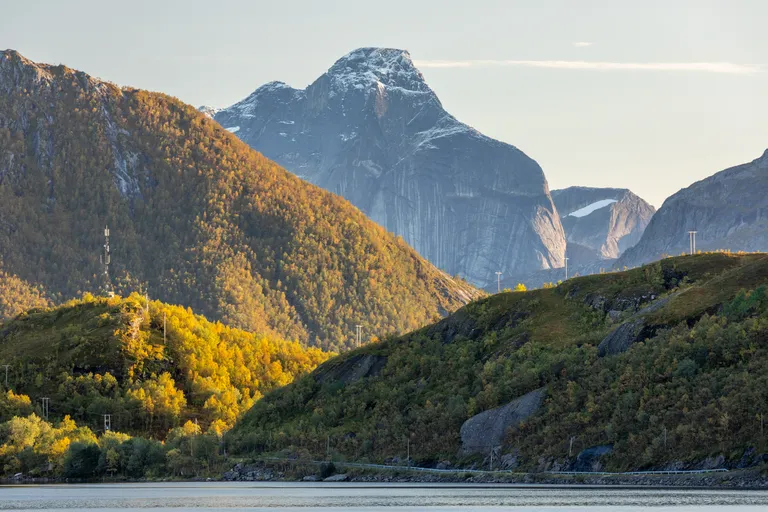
(379, 67)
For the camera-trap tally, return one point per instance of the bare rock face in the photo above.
(729, 210)
(602, 221)
(352, 369)
(372, 130)
(486, 431)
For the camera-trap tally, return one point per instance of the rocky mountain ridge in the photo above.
(729, 211)
(604, 221)
(373, 131)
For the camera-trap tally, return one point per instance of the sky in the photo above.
(648, 95)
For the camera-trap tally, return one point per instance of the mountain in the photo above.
(196, 216)
(587, 375)
(729, 210)
(151, 366)
(372, 130)
(601, 222)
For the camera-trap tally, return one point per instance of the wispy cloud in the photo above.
(582, 44)
(445, 63)
(701, 67)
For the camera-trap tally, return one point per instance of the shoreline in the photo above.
(341, 474)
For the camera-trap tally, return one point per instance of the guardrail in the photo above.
(501, 471)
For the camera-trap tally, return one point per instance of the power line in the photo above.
(6, 374)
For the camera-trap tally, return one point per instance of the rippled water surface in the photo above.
(369, 497)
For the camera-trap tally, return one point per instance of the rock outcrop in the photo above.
(633, 330)
(729, 210)
(373, 131)
(352, 369)
(486, 431)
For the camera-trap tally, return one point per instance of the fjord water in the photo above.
(369, 497)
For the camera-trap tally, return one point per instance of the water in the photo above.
(326, 497)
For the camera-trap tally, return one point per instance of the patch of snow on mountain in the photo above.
(209, 111)
(233, 129)
(446, 127)
(583, 212)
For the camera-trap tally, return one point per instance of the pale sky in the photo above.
(650, 95)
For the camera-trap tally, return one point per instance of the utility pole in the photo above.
(146, 297)
(107, 422)
(359, 335)
(566, 268)
(46, 407)
(498, 282)
(570, 446)
(106, 259)
(408, 452)
(665, 438)
(692, 241)
(490, 464)
(164, 338)
(6, 374)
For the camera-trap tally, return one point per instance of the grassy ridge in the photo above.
(424, 385)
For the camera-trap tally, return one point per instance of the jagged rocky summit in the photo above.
(729, 211)
(601, 223)
(373, 131)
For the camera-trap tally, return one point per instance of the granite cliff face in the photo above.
(729, 210)
(601, 223)
(371, 130)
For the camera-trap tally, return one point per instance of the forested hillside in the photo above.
(196, 216)
(17, 296)
(151, 367)
(659, 366)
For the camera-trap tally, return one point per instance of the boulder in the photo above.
(337, 478)
(486, 430)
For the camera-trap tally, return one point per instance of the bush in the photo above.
(327, 469)
(82, 460)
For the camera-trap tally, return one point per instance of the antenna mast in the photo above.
(106, 259)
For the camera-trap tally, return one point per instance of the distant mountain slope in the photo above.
(195, 214)
(729, 210)
(372, 130)
(584, 376)
(17, 296)
(150, 366)
(607, 221)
